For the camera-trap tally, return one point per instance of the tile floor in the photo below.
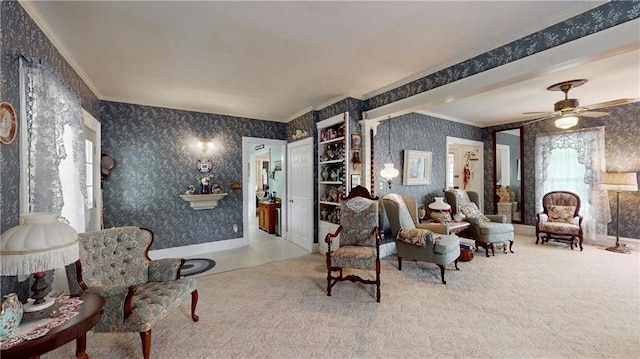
(262, 248)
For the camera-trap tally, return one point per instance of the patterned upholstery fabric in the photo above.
(471, 210)
(359, 257)
(358, 217)
(115, 259)
(560, 228)
(563, 214)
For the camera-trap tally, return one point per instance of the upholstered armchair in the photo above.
(359, 242)
(560, 218)
(114, 263)
(418, 244)
(487, 230)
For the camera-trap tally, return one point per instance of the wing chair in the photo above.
(487, 230)
(359, 242)
(418, 244)
(114, 263)
(560, 218)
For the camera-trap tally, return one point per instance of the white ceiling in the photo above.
(278, 60)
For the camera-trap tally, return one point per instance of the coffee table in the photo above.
(450, 227)
(75, 329)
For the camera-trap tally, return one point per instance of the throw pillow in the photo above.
(471, 211)
(563, 214)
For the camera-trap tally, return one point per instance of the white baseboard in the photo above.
(195, 249)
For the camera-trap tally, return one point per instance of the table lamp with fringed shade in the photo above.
(619, 182)
(39, 244)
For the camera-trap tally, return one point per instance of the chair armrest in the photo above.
(541, 217)
(474, 221)
(115, 297)
(166, 269)
(433, 227)
(416, 236)
(500, 218)
(327, 238)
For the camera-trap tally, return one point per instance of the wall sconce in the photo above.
(204, 143)
(388, 172)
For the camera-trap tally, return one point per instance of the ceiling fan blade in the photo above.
(617, 102)
(548, 116)
(537, 113)
(592, 114)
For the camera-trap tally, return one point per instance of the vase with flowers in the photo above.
(205, 183)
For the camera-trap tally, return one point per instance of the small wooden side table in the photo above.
(75, 329)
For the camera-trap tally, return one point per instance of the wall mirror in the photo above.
(508, 181)
(465, 164)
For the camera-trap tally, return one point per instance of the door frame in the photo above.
(248, 193)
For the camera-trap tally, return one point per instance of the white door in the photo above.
(300, 180)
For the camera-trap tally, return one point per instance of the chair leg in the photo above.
(399, 263)
(493, 249)
(442, 273)
(510, 246)
(194, 303)
(146, 343)
(455, 263)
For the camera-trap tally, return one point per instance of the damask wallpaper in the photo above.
(20, 36)
(155, 151)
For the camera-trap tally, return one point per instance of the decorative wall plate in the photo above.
(8, 123)
(204, 166)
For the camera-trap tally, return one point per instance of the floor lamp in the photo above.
(619, 182)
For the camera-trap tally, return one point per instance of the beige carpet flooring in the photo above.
(540, 302)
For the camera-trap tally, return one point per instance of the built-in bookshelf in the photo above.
(333, 170)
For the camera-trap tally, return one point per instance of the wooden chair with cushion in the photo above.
(359, 242)
(114, 263)
(560, 219)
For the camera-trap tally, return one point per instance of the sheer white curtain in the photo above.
(56, 146)
(575, 161)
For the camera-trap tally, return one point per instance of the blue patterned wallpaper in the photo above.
(155, 153)
(20, 36)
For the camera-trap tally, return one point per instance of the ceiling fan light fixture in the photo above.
(565, 122)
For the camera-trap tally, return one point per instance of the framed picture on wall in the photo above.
(417, 168)
(355, 180)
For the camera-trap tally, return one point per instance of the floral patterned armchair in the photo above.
(560, 218)
(359, 242)
(415, 243)
(114, 263)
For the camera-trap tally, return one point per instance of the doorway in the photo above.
(465, 165)
(263, 175)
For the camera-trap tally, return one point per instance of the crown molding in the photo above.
(35, 15)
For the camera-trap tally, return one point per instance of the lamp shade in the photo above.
(388, 172)
(620, 181)
(439, 204)
(565, 122)
(39, 244)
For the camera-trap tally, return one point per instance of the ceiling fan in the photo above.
(567, 111)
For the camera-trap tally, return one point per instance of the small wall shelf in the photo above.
(203, 201)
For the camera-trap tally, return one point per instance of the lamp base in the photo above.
(618, 249)
(30, 306)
